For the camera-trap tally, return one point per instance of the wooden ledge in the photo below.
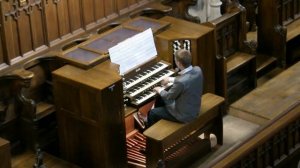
(44, 109)
(293, 30)
(237, 60)
(264, 63)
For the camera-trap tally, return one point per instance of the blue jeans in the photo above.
(159, 112)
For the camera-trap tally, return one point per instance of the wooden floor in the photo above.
(28, 159)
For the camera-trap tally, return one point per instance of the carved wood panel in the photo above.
(31, 26)
(63, 18)
(2, 64)
(227, 39)
(52, 25)
(89, 9)
(37, 26)
(132, 2)
(75, 15)
(121, 4)
(99, 12)
(20, 28)
(288, 10)
(109, 8)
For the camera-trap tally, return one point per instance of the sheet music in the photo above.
(134, 51)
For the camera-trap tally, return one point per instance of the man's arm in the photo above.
(172, 93)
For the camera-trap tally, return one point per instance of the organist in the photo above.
(182, 101)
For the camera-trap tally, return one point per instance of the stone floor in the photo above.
(235, 130)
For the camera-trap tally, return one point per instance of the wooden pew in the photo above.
(10, 92)
(235, 59)
(38, 120)
(278, 27)
(5, 160)
(277, 144)
(165, 138)
(250, 6)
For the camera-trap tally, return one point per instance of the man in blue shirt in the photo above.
(181, 103)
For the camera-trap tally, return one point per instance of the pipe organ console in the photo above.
(96, 125)
(138, 86)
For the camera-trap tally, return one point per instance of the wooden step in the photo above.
(264, 63)
(238, 60)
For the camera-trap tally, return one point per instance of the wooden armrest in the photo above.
(43, 109)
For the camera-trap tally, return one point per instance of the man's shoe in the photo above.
(139, 120)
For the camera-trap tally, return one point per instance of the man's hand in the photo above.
(157, 89)
(165, 81)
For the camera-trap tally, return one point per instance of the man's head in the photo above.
(183, 58)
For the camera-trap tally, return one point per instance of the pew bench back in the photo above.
(235, 59)
(278, 25)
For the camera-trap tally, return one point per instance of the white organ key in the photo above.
(143, 77)
(147, 95)
(139, 90)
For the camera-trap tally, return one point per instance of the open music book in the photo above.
(134, 51)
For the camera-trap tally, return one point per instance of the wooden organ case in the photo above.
(90, 98)
(198, 39)
(91, 115)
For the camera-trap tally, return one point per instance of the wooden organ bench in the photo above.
(235, 59)
(167, 139)
(278, 30)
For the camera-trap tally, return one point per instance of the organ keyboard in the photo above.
(138, 85)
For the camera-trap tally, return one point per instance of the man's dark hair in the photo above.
(184, 57)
